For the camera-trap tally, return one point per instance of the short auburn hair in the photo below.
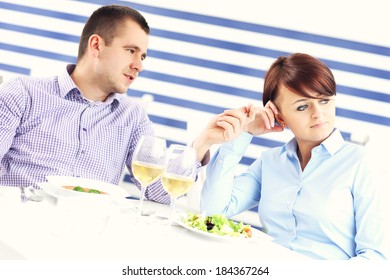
(300, 73)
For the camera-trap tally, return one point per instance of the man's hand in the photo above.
(231, 123)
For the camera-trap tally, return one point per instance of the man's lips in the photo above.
(130, 77)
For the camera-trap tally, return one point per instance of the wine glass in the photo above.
(148, 163)
(179, 173)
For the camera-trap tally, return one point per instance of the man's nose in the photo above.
(137, 65)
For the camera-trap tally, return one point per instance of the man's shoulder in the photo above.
(30, 81)
(27, 85)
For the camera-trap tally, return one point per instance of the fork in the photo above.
(34, 196)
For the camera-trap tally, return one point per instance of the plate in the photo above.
(76, 213)
(255, 232)
(56, 185)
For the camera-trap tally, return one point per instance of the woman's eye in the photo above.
(302, 107)
(324, 101)
(131, 51)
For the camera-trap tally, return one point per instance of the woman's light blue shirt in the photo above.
(331, 210)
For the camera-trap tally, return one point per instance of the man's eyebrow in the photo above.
(131, 46)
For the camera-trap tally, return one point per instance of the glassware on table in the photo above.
(148, 163)
(179, 173)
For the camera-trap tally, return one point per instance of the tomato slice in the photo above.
(248, 232)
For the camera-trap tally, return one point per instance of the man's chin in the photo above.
(122, 89)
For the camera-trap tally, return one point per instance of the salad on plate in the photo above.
(217, 224)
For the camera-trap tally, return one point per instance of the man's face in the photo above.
(120, 63)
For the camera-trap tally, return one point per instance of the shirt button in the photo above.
(84, 129)
(291, 233)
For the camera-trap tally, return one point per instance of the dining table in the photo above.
(82, 230)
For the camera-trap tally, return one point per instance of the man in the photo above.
(80, 123)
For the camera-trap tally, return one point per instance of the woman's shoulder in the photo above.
(354, 150)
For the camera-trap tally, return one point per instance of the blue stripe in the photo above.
(40, 53)
(216, 43)
(201, 84)
(16, 69)
(168, 121)
(236, 69)
(266, 142)
(259, 73)
(43, 12)
(369, 94)
(198, 40)
(257, 28)
(148, 74)
(217, 110)
(152, 53)
(209, 42)
(178, 102)
(372, 95)
(266, 52)
(170, 142)
(246, 160)
(346, 135)
(358, 69)
(363, 116)
(178, 58)
(40, 32)
(196, 61)
(198, 84)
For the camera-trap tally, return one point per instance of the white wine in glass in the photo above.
(148, 163)
(179, 173)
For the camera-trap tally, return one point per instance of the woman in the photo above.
(316, 194)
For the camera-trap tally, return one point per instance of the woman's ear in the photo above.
(279, 118)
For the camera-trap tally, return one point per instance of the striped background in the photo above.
(200, 63)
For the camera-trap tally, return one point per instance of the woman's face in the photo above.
(310, 119)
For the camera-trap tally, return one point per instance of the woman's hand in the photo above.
(262, 120)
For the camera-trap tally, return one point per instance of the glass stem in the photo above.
(171, 211)
(141, 202)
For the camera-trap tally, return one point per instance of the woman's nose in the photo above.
(316, 111)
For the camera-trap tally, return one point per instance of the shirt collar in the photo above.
(66, 83)
(330, 145)
(68, 87)
(334, 142)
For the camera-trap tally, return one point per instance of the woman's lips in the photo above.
(317, 125)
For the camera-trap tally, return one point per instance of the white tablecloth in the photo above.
(42, 231)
